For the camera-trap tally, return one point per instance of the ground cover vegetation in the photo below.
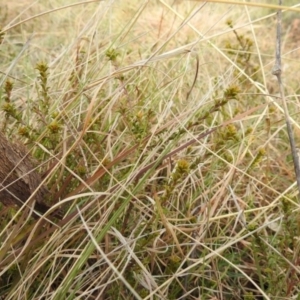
(160, 137)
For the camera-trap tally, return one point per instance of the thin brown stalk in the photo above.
(277, 72)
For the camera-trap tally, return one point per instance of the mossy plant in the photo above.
(168, 158)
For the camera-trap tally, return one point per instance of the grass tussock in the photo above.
(158, 131)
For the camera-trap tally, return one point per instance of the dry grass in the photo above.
(159, 132)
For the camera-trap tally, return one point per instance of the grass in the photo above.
(159, 132)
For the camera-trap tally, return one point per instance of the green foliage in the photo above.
(175, 196)
(2, 34)
(44, 101)
(112, 54)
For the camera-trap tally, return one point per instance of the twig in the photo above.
(277, 72)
